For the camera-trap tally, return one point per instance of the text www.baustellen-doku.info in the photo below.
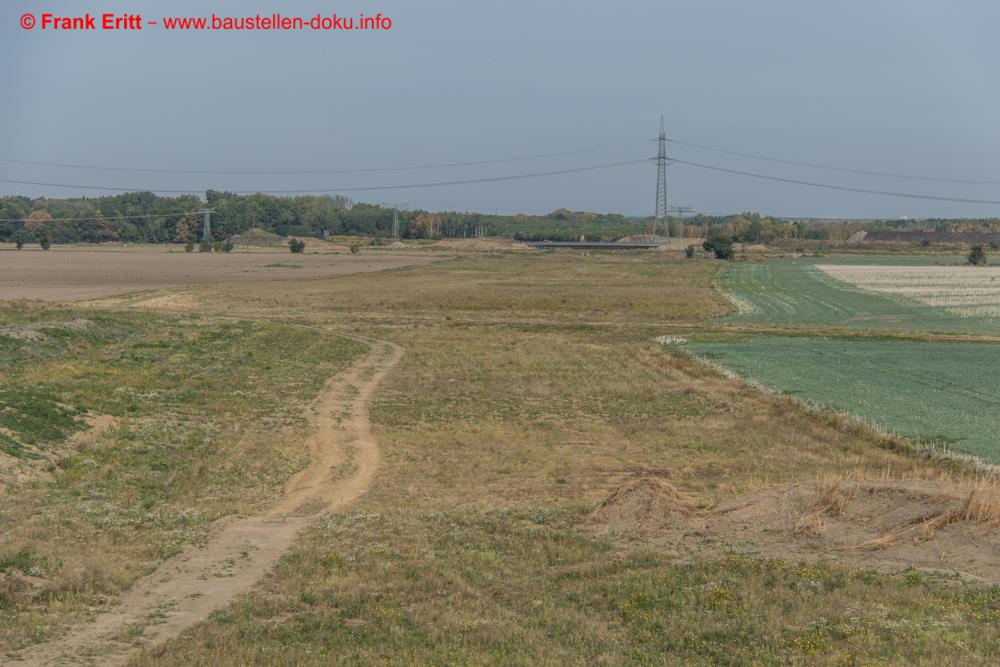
(322, 22)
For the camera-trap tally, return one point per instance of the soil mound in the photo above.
(645, 506)
(480, 244)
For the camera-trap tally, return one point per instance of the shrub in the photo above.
(227, 246)
(45, 242)
(689, 252)
(977, 256)
(19, 239)
(355, 248)
(295, 245)
(205, 246)
(189, 247)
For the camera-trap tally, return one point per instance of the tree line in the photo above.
(144, 217)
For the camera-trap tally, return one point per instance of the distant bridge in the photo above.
(592, 245)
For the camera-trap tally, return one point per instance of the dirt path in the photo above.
(186, 588)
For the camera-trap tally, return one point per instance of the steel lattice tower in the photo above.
(661, 183)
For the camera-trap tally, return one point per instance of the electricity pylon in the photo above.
(661, 183)
(207, 232)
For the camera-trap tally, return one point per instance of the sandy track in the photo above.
(186, 588)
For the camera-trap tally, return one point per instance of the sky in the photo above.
(904, 86)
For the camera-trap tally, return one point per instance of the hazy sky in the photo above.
(906, 86)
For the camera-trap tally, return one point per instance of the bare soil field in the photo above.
(77, 274)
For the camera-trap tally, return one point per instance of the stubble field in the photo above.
(966, 291)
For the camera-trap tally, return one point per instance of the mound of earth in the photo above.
(884, 524)
(642, 507)
(258, 237)
(478, 244)
(644, 238)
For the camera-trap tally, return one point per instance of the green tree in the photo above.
(296, 246)
(18, 239)
(977, 255)
(720, 243)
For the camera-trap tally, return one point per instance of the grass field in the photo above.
(531, 387)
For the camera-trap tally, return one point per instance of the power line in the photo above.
(845, 188)
(371, 188)
(847, 170)
(472, 163)
(303, 171)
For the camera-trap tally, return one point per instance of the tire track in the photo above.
(185, 589)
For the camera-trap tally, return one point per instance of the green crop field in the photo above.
(795, 292)
(929, 392)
